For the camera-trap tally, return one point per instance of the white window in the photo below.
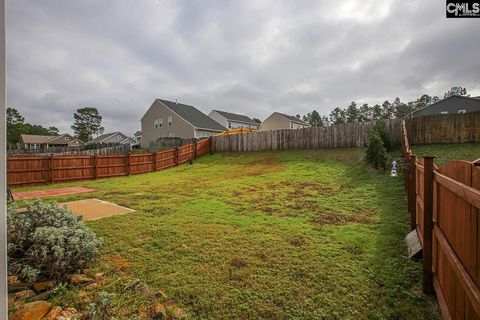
(158, 123)
(444, 112)
(169, 121)
(229, 125)
(171, 134)
(462, 111)
(291, 125)
(66, 138)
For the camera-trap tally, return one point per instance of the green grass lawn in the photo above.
(449, 152)
(270, 235)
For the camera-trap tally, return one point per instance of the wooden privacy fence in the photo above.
(444, 128)
(444, 206)
(30, 169)
(352, 134)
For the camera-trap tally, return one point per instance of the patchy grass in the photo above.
(449, 152)
(271, 235)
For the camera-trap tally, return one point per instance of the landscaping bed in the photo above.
(307, 234)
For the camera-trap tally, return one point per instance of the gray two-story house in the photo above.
(450, 105)
(171, 119)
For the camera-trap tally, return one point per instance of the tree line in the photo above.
(87, 122)
(365, 112)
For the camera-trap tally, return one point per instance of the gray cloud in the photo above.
(251, 57)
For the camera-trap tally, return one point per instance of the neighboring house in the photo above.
(113, 137)
(453, 104)
(279, 120)
(138, 137)
(171, 119)
(33, 141)
(233, 120)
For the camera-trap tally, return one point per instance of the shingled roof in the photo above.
(195, 117)
(236, 117)
(36, 138)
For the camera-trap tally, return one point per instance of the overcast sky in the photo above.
(251, 57)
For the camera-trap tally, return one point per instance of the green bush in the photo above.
(48, 241)
(382, 129)
(376, 153)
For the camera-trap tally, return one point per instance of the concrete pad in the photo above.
(94, 209)
(39, 194)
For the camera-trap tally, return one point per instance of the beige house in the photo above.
(277, 121)
(34, 141)
(171, 119)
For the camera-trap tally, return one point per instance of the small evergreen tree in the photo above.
(376, 153)
(381, 128)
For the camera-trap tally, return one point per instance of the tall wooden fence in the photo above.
(30, 169)
(352, 134)
(448, 128)
(444, 205)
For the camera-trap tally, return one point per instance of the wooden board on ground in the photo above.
(414, 247)
(39, 194)
(94, 209)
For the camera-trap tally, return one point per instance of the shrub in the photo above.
(48, 241)
(376, 153)
(384, 132)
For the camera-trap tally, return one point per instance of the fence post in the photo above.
(406, 158)
(51, 169)
(413, 192)
(128, 163)
(195, 149)
(155, 161)
(427, 224)
(176, 156)
(95, 164)
(210, 144)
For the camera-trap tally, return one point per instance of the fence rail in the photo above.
(352, 134)
(444, 206)
(22, 170)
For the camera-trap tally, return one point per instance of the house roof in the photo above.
(195, 117)
(37, 139)
(104, 136)
(292, 118)
(236, 117)
(41, 139)
(128, 138)
(456, 96)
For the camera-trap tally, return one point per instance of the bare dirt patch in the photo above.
(322, 218)
(120, 263)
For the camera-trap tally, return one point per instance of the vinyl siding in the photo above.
(157, 110)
